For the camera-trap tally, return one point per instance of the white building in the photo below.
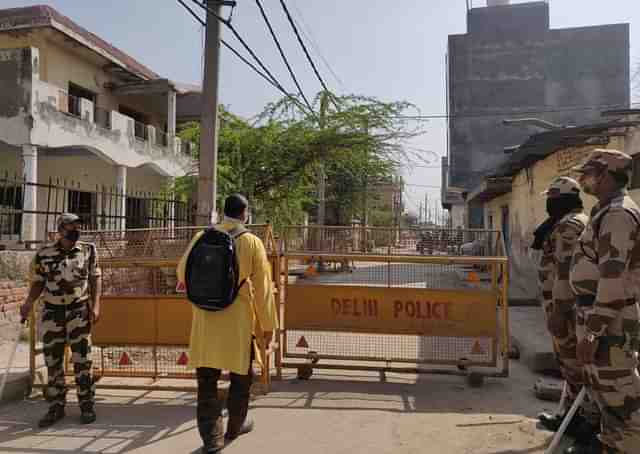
(78, 112)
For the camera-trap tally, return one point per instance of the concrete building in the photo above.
(511, 65)
(511, 195)
(74, 107)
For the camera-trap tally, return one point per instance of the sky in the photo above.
(392, 50)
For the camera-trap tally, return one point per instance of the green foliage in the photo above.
(274, 160)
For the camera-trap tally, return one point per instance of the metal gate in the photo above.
(419, 300)
(145, 324)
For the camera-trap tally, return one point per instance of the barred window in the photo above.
(10, 210)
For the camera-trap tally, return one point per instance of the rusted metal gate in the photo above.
(145, 324)
(419, 300)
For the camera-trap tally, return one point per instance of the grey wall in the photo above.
(511, 65)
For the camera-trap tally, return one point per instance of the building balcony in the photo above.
(61, 120)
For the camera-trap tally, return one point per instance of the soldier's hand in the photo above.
(586, 351)
(25, 311)
(557, 324)
(268, 337)
(94, 313)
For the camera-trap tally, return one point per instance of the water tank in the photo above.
(497, 2)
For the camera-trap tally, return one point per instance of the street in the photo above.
(335, 412)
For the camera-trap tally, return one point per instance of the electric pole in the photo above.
(322, 177)
(208, 162)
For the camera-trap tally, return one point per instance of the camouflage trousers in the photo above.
(62, 326)
(564, 346)
(614, 384)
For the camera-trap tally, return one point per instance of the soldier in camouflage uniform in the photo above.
(604, 276)
(66, 275)
(557, 238)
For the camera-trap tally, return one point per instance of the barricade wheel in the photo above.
(305, 371)
(475, 379)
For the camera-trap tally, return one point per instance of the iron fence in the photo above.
(100, 208)
(393, 241)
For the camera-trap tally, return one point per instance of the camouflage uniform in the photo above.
(558, 297)
(66, 317)
(603, 270)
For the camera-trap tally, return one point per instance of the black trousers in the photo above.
(209, 408)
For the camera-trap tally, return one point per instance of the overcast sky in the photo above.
(393, 50)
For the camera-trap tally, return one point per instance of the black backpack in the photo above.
(212, 272)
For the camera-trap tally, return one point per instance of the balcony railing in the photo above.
(105, 119)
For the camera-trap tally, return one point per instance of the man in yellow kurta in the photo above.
(223, 340)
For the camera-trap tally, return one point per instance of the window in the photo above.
(75, 93)
(635, 174)
(137, 213)
(84, 204)
(10, 210)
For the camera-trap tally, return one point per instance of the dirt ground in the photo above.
(334, 412)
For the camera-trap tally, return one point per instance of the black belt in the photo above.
(67, 307)
(585, 300)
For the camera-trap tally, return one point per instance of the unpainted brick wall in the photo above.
(14, 285)
(12, 294)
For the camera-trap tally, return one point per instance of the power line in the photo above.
(304, 48)
(430, 186)
(284, 57)
(276, 85)
(309, 35)
(230, 26)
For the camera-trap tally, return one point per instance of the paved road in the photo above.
(341, 413)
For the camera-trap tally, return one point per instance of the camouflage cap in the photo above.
(562, 186)
(67, 218)
(612, 160)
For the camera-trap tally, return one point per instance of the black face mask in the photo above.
(72, 235)
(558, 207)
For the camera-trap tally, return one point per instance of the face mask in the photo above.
(558, 207)
(72, 235)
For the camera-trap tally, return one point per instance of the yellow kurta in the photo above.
(222, 340)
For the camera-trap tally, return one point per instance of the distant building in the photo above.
(511, 65)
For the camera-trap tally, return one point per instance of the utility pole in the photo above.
(322, 177)
(208, 162)
(365, 207)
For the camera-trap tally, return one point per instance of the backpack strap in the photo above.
(236, 233)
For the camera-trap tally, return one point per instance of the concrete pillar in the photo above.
(121, 199)
(87, 112)
(171, 224)
(30, 206)
(171, 114)
(151, 136)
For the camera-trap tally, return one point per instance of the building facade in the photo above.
(511, 197)
(511, 65)
(79, 113)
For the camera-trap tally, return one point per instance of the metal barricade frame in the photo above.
(151, 323)
(486, 316)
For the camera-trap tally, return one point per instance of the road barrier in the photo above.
(395, 304)
(145, 324)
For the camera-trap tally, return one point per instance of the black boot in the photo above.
(550, 421)
(238, 406)
(591, 446)
(209, 411)
(55, 414)
(87, 414)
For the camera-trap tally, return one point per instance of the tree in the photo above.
(273, 159)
